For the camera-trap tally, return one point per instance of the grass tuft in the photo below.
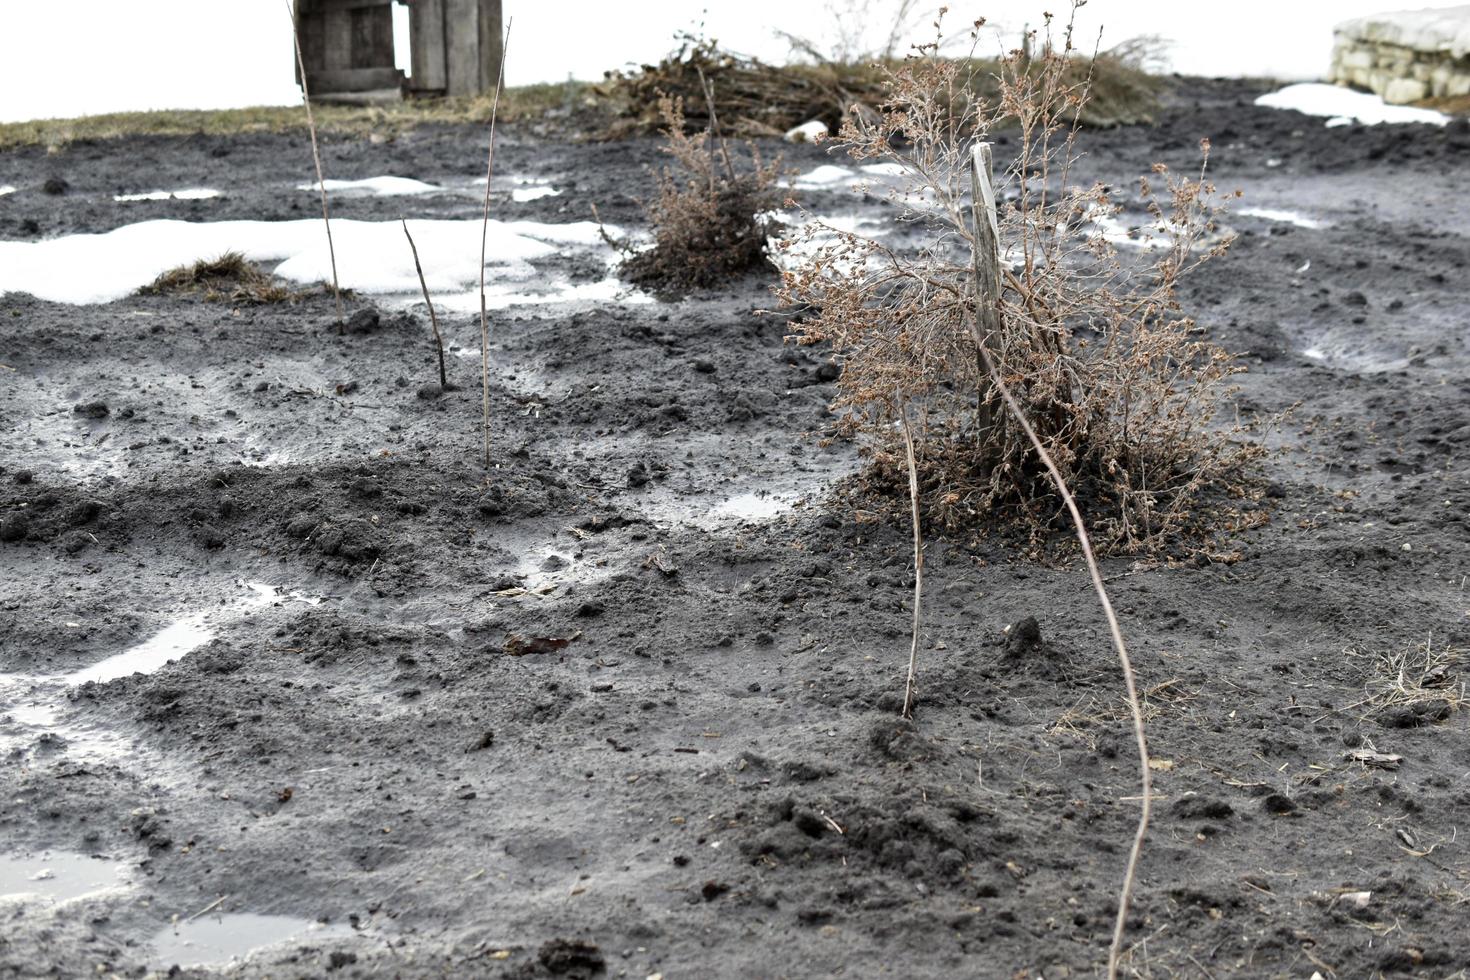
(229, 278)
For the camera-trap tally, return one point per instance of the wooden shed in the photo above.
(347, 46)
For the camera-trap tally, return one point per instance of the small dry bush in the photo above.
(1125, 394)
(711, 221)
(229, 278)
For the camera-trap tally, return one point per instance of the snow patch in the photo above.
(523, 195)
(372, 256)
(1343, 106)
(374, 187)
(187, 194)
(1285, 217)
(6, 189)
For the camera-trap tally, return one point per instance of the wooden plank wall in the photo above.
(347, 45)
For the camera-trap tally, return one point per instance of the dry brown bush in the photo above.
(229, 278)
(1124, 392)
(711, 220)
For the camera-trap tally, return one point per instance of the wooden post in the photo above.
(426, 37)
(987, 268)
(472, 46)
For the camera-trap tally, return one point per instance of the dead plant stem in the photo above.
(984, 241)
(316, 157)
(911, 684)
(433, 317)
(484, 237)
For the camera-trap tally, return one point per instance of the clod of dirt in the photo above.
(55, 186)
(24, 476)
(1413, 715)
(14, 527)
(1024, 637)
(1278, 804)
(430, 391)
(92, 410)
(571, 957)
(1202, 808)
(363, 321)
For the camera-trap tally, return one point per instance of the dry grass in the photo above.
(227, 279)
(528, 102)
(1122, 391)
(1423, 674)
(711, 217)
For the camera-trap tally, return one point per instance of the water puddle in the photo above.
(164, 647)
(59, 876)
(1333, 350)
(751, 508)
(187, 194)
(219, 940)
(36, 716)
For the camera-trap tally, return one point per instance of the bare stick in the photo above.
(433, 318)
(988, 252)
(484, 235)
(317, 158)
(910, 688)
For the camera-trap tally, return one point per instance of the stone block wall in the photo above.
(1406, 57)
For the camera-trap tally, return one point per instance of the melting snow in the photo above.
(372, 256)
(187, 194)
(1286, 217)
(524, 194)
(374, 187)
(1344, 106)
(6, 189)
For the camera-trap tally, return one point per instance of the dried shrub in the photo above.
(711, 221)
(1124, 392)
(229, 278)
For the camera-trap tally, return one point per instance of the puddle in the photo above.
(36, 716)
(168, 645)
(747, 508)
(374, 187)
(58, 876)
(372, 256)
(1284, 217)
(1331, 350)
(218, 940)
(187, 194)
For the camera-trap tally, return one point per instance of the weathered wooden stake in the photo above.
(987, 268)
(484, 235)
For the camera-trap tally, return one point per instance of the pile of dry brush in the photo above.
(753, 99)
(713, 217)
(229, 278)
(1126, 395)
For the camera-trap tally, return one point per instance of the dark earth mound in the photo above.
(627, 705)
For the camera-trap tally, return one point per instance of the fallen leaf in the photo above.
(1161, 765)
(518, 646)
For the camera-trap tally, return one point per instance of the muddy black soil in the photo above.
(628, 705)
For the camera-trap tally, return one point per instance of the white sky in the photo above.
(77, 57)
